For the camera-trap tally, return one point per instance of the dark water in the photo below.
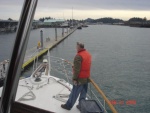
(7, 40)
(120, 61)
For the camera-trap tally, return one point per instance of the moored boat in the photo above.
(79, 27)
(85, 25)
(3, 69)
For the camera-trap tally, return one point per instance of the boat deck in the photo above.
(48, 94)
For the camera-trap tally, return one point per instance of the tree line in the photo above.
(112, 20)
(101, 20)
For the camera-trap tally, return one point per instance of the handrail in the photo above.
(103, 95)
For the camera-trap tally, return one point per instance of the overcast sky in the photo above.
(82, 9)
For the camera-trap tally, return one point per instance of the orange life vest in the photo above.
(85, 65)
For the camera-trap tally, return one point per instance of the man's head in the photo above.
(80, 46)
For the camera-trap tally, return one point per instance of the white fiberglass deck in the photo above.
(42, 95)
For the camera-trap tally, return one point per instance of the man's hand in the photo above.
(75, 82)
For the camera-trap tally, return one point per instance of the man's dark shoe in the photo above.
(78, 107)
(65, 107)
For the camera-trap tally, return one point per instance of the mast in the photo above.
(72, 16)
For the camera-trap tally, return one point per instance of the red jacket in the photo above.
(85, 65)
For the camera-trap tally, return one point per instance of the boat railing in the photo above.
(105, 100)
(92, 96)
(62, 66)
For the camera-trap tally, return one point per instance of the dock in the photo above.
(33, 53)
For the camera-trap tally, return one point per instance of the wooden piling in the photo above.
(48, 46)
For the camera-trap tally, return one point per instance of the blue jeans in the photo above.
(76, 90)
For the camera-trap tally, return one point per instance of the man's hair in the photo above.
(81, 45)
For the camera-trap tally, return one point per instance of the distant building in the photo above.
(8, 25)
(36, 24)
(65, 24)
(53, 22)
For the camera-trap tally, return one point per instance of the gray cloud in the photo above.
(12, 8)
(86, 4)
(97, 4)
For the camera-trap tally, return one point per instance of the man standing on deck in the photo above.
(81, 73)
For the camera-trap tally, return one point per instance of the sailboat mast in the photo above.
(72, 16)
